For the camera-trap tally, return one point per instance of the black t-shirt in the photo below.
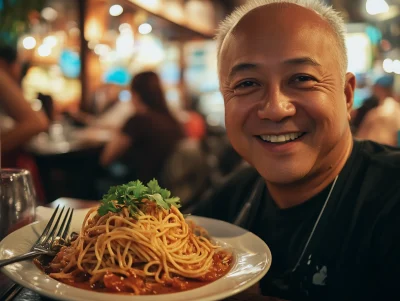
(354, 253)
(286, 232)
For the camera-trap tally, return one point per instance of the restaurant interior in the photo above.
(80, 56)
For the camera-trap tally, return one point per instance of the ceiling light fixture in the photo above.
(116, 10)
(375, 7)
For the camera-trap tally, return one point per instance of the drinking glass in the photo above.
(17, 200)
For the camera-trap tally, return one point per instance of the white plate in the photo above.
(252, 259)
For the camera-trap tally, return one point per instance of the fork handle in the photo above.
(28, 255)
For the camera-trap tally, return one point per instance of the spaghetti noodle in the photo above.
(139, 253)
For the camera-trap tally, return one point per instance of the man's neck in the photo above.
(286, 196)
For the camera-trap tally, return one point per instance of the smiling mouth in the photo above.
(285, 138)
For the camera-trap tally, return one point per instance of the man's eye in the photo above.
(245, 84)
(303, 78)
(303, 81)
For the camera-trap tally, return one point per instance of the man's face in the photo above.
(286, 102)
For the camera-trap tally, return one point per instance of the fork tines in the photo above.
(49, 233)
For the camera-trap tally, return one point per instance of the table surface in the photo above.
(11, 291)
(72, 140)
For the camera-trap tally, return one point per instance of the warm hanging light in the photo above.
(388, 65)
(50, 41)
(29, 42)
(125, 44)
(49, 14)
(125, 28)
(44, 50)
(102, 49)
(116, 10)
(396, 66)
(375, 7)
(145, 28)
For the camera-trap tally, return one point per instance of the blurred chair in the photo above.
(241, 176)
(186, 172)
(48, 105)
(222, 158)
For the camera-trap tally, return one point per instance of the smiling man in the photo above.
(326, 205)
(284, 92)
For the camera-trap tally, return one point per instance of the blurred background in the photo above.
(78, 58)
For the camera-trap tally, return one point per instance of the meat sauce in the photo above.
(113, 283)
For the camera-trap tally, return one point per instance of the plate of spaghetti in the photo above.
(137, 242)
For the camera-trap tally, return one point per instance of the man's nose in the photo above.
(276, 106)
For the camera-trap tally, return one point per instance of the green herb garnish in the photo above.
(130, 195)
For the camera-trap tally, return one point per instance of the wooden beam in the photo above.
(82, 8)
(189, 30)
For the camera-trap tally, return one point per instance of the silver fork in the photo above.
(49, 242)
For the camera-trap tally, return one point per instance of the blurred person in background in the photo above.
(358, 115)
(195, 126)
(364, 101)
(193, 121)
(108, 110)
(18, 121)
(381, 121)
(147, 138)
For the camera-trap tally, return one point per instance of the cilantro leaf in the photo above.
(137, 188)
(174, 201)
(154, 187)
(106, 207)
(130, 195)
(159, 200)
(165, 193)
(102, 210)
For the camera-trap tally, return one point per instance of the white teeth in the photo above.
(281, 138)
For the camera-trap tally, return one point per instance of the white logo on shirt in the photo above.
(319, 278)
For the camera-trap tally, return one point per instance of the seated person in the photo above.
(18, 121)
(150, 136)
(382, 122)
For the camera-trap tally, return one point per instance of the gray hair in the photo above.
(327, 13)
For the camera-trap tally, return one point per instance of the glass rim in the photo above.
(13, 172)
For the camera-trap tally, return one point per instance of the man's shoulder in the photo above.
(373, 180)
(380, 173)
(380, 155)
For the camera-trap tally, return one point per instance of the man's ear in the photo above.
(349, 87)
